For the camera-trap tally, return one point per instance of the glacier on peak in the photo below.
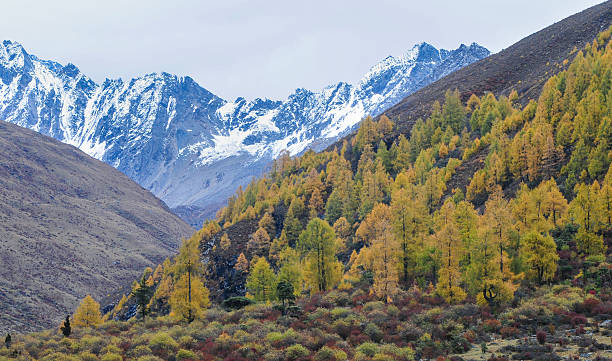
(185, 144)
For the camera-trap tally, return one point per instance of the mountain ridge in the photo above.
(517, 67)
(188, 146)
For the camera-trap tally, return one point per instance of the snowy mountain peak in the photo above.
(185, 144)
(13, 56)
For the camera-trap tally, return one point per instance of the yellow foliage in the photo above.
(180, 307)
(87, 314)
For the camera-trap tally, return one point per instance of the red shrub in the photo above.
(491, 325)
(470, 336)
(433, 300)
(604, 308)
(508, 332)
(578, 320)
(271, 315)
(589, 305)
(541, 336)
(298, 325)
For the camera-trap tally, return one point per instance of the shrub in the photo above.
(93, 344)
(541, 336)
(183, 354)
(161, 341)
(340, 312)
(296, 351)
(325, 354)
(491, 325)
(368, 348)
(140, 350)
(374, 305)
(88, 356)
(149, 358)
(111, 357)
(508, 332)
(398, 353)
(588, 306)
(274, 355)
(382, 357)
(236, 303)
(251, 350)
(340, 355)
(578, 320)
(373, 331)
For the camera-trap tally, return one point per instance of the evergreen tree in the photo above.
(555, 204)
(291, 269)
(285, 292)
(267, 222)
(142, 293)
(259, 242)
(65, 328)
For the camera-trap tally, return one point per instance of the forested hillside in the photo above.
(409, 211)
(489, 220)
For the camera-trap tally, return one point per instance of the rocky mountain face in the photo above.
(186, 145)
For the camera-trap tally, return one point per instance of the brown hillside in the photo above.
(70, 225)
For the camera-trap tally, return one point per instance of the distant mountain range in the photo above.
(186, 145)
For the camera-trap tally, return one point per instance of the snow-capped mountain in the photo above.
(188, 146)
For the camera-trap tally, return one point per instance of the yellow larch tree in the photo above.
(88, 313)
(555, 205)
(242, 264)
(409, 224)
(448, 240)
(384, 248)
(189, 298)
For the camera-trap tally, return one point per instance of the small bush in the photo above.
(296, 351)
(161, 341)
(368, 348)
(236, 303)
(149, 358)
(88, 356)
(325, 354)
(491, 325)
(111, 357)
(183, 354)
(340, 355)
(508, 332)
(374, 332)
(541, 336)
(140, 350)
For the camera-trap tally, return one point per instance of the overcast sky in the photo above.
(262, 48)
